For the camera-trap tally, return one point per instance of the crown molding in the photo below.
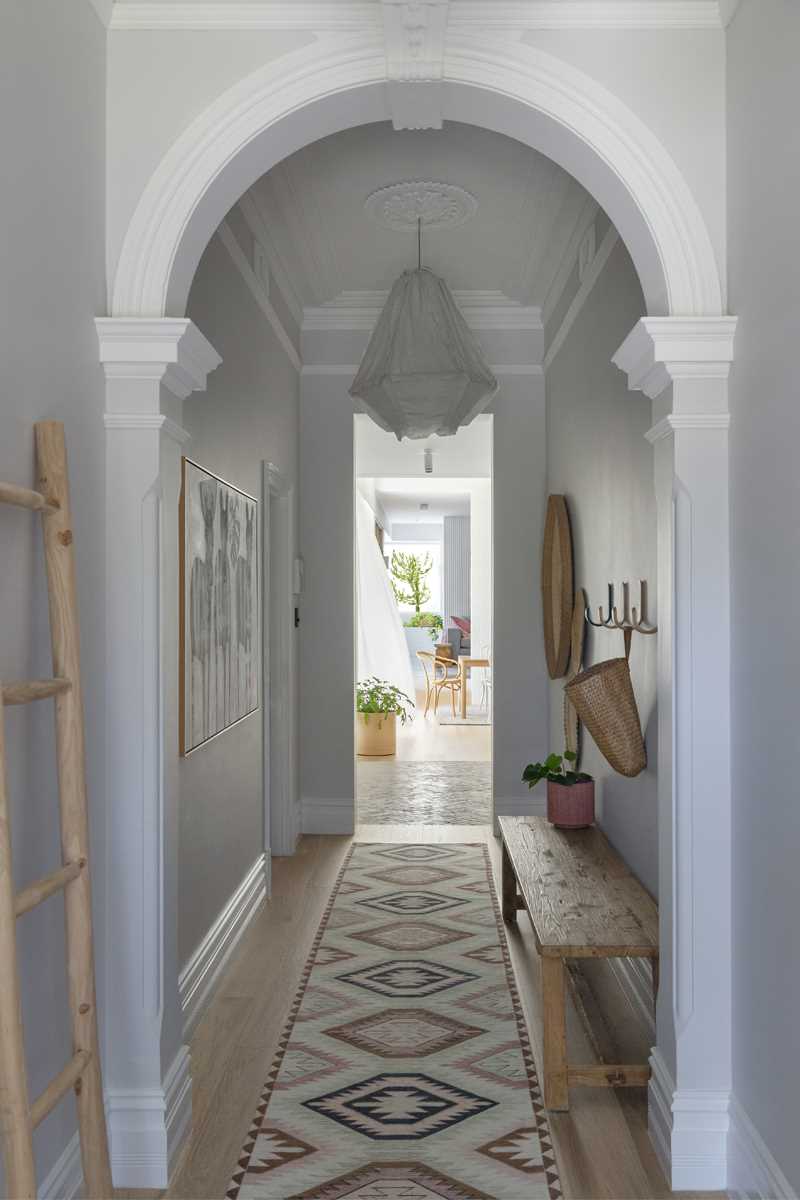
(482, 309)
(667, 426)
(464, 16)
(585, 14)
(148, 421)
(660, 350)
(256, 289)
(351, 369)
(169, 350)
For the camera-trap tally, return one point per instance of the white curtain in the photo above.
(382, 646)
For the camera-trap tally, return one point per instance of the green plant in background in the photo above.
(426, 620)
(409, 572)
(377, 696)
(554, 770)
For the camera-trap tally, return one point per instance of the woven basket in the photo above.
(604, 700)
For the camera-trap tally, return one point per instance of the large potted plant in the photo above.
(570, 793)
(378, 706)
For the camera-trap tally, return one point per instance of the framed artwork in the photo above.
(220, 612)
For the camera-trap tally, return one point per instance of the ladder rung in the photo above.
(36, 892)
(25, 498)
(23, 691)
(59, 1086)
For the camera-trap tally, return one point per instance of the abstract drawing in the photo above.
(220, 611)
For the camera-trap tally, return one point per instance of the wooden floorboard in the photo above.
(602, 1143)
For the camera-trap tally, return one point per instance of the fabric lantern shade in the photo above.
(423, 371)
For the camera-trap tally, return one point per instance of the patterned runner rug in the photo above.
(405, 1071)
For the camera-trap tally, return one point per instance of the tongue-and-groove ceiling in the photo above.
(309, 211)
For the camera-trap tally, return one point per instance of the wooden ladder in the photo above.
(18, 1117)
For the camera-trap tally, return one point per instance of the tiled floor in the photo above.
(431, 793)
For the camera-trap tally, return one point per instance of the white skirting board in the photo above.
(689, 1130)
(199, 977)
(753, 1173)
(328, 816)
(147, 1127)
(64, 1181)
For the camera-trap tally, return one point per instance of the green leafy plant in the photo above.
(377, 696)
(426, 620)
(409, 572)
(554, 770)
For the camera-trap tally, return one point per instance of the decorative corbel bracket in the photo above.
(660, 351)
(414, 32)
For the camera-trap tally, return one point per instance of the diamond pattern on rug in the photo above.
(418, 903)
(303, 1064)
(491, 1002)
(327, 955)
(417, 853)
(273, 1148)
(400, 1106)
(503, 1064)
(393, 1181)
(414, 876)
(406, 978)
(321, 1002)
(411, 935)
(404, 1033)
(405, 1071)
(520, 1148)
(487, 954)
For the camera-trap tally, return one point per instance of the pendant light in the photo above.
(423, 371)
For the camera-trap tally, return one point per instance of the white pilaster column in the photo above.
(682, 365)
(151, 365)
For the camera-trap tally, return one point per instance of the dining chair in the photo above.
(486, 679)
(438, 677)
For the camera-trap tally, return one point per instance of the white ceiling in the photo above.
(401, 500)
(311, 207)
(467, 454)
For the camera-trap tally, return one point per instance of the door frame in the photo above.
(280, 809)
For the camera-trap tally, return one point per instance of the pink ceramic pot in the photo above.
(570, 807)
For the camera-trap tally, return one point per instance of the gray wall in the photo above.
(52, 130)
(248, 414)
(764, 249)
(455, 569)
(598, 457)
(327, 642)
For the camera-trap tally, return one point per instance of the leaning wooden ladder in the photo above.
(18, 1117)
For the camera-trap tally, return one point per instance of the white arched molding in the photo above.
(150, 367)
(332, 85)
(682, 366)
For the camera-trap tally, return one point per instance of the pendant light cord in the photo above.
(419, 243)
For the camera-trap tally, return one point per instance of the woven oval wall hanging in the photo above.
(557, 596)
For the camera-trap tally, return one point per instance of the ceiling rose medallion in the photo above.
(438, 205)
(423, 371)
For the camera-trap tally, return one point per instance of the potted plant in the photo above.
(378, 705)
(570, 793)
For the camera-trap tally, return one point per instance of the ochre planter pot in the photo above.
(376, 734)
(570, 807)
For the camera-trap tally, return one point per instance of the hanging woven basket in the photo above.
(603, 699)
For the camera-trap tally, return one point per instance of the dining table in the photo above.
(465, 661)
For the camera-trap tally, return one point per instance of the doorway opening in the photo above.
(424, 616)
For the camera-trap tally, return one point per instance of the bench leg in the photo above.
(509, 890)
(556, 1092)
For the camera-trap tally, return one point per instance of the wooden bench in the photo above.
(583, 902)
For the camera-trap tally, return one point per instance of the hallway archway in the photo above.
(511, 89)
(679, 357)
